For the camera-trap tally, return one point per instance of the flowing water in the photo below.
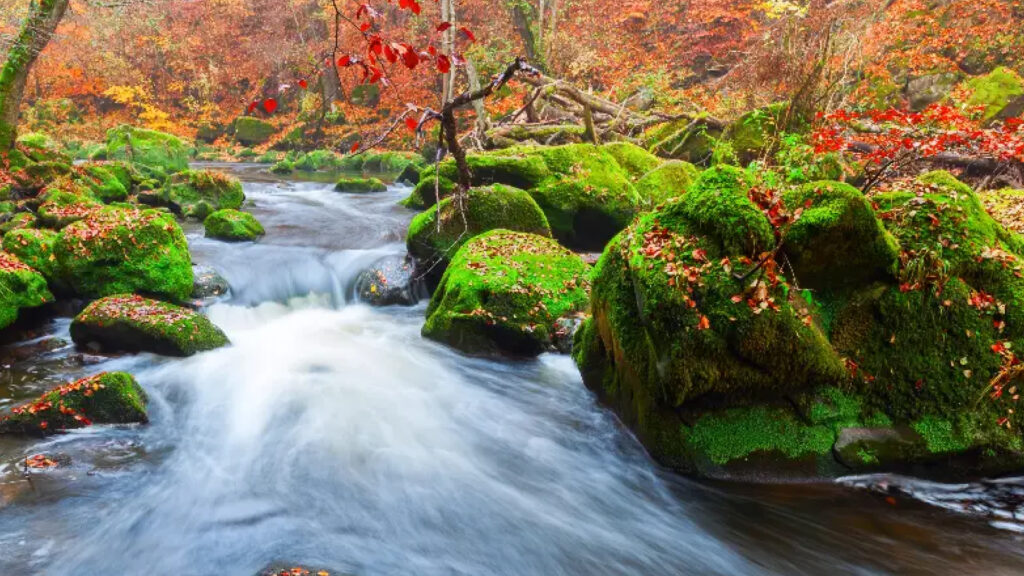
(330, 434)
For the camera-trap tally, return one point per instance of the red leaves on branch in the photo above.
(411, 5)
(270, 105)
(444, 64)
(411, 124)
(444, 26)
(468, 33)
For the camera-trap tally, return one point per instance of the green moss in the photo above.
(666, 182)
(318, 160)
(504, 291)
(683, 140)
(35, 249)
(283, 167)
(758, 132)
(17, 221)
(738, 433)
(149, 148)
(390, 162)
(518, 167)
(107, 398)
(429, 188)
(995, 91)
(233, 225)
(487, 208)
(360, 185)
(837, 241)
(64, 203)
(632, 158)
(252, 131)
(717, 205)
(118, 250)
(199, 193)
(132, 323)
(941, 435)
(21, 287)
(104, 183)
(41, 174)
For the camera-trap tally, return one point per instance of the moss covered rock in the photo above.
(360, 185)
(107, 398)
(199, 193)
(757, 132)
(283, 167)
(683, 140)
(148, 148)
(666, 182)
(486, 208)
(633, 159)
(995, 91)
(504, 292)
(65, 202)
(253, 131)
(837, 240)
(35, 248)
(131, 323)
(233, 225)
(39, 175)
(118, 250)
(718, 205)
(21, 287)
(105, 184)
(16, 221)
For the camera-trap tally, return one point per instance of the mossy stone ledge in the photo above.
(504, 293)
(131, 323)
(106, 398)
(360, 185)
(35, 248)
(198, 193)
(149, 148)
(233, 226)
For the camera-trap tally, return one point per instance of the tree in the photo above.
(35, 34)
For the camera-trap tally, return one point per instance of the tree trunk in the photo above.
(34, 35)
(483, 123)
(524, 26)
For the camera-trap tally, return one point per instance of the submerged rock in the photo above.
(233, 225)
(360, 185)
(120, 250)
(388, 282)
(107, 398)
(21, 287)
(504, 293)
(208, 283)
(131, 323)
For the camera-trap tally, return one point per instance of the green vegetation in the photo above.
(148, 148)
(233, 225)
(359, 185)
(21, 287)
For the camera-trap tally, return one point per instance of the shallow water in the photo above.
(331, 434)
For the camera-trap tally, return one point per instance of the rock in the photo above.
(209, 132)
(147, 148)
(995, 92)
(757, 132)
(718, 205)
(683, 140)
(386, 163)
(35, 249)
(360, 185)
(64, 203)
(106, 398)
(838, 241)
(21, 287)
(251, 131)
(41, 148)
(389, 282)
(131, 323)
(16, 221)
(863, 449)
(410, 174)
(633, 159)
(40, 175)
(487, 208)
(199, 193)
(208, 283)
(504, 292)
(318, 160)
(930, 89)
(233, 225)
(283, 167)
(104, 183)
(666, 182)
(119, 250)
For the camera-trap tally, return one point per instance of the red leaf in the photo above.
(390, 54)
(409, 56)
(253, 105)
(354, 148)
(443, 64)
(303, 84)
(345, 61)
(443, 26)
(411, 123)
(364, 26)
(270, 105)
(468, 33)
(431, 50)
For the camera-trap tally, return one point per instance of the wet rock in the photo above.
(107, 398)
(866, 448)
(927, 90)
(389, 282)
(208, 283)
(131, 323)
(233, 226)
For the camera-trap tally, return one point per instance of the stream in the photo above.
(331, 435)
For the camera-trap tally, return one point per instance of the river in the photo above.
(330, 434)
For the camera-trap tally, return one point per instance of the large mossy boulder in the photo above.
(918, 292)
(199, 193)
(233, 226)
(107, 398)
(837, 240)
(21, 287)
(65, 202)
(633, 159)
(757, 132)
(684, 139)
(131, 323)
(149, 148)
(253, 131)
(486, 208)
(118, 250)
(390, 281)
(107, 184)
(665, 182)
(504, 293)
